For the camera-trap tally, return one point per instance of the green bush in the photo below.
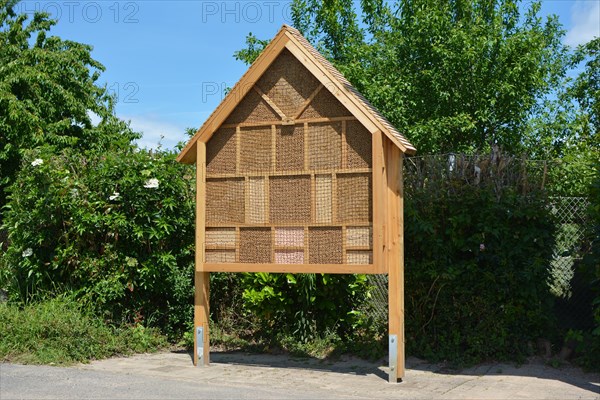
(116, 229)
(305, 305)
(476, 272)
(60, 331)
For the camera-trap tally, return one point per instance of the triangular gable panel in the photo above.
(291, 74)
(288, 83)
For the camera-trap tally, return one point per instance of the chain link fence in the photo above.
(566, 282)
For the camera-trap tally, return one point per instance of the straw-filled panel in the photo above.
(256, 245)
(252, 108)
(225, 201)
(255, 149)
(290, 199)
(325, 146)
(220, 152)
(354, 198)
(290, 148)
(287, 83)
(289, 193)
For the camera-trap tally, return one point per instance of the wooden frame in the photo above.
(386, 242)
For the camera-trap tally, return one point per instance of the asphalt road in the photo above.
(246, 376)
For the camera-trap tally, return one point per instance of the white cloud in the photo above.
(585, 22)
(155, 131)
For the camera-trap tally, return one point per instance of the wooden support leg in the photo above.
(201, 315)
(395, 260)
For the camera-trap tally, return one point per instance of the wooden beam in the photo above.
(379, 203)
(241, 88)
(351, 101)
(395, 254)
(315, 120)
(201, 277)
(271, 103)
(308, 101)
(292, 268)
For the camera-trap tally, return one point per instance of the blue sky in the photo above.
(169, 61)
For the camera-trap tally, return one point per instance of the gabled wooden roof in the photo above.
(291, 39)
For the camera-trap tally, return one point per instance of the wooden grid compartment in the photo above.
(255, 149)
(220, 237)
(225, 201)
(257, 207)
(252, 109)
(325, 245)
(324, 200)
(359, 236)
(220, 256)
(354, 198)
(325, 143)
(290, 199)
(220, 151)
(255, 245)
(358, 141)
(359, 257)
(290, 148)
(289, 237)
(289, 257)
(325, 105)
(288, 83)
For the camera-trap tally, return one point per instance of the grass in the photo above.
(60, 332)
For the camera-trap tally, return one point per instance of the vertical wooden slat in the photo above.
(379, 204)
(201, 278)
(395, 251)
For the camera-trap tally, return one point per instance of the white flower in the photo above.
(27, 252)
(151, 183)
(37, 161)
(114, 196)
(482, 247)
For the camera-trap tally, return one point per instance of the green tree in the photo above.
(48, 93)
(452, 75)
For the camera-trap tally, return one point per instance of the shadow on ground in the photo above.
(533, 368)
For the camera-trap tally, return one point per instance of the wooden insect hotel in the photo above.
(298, 173)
